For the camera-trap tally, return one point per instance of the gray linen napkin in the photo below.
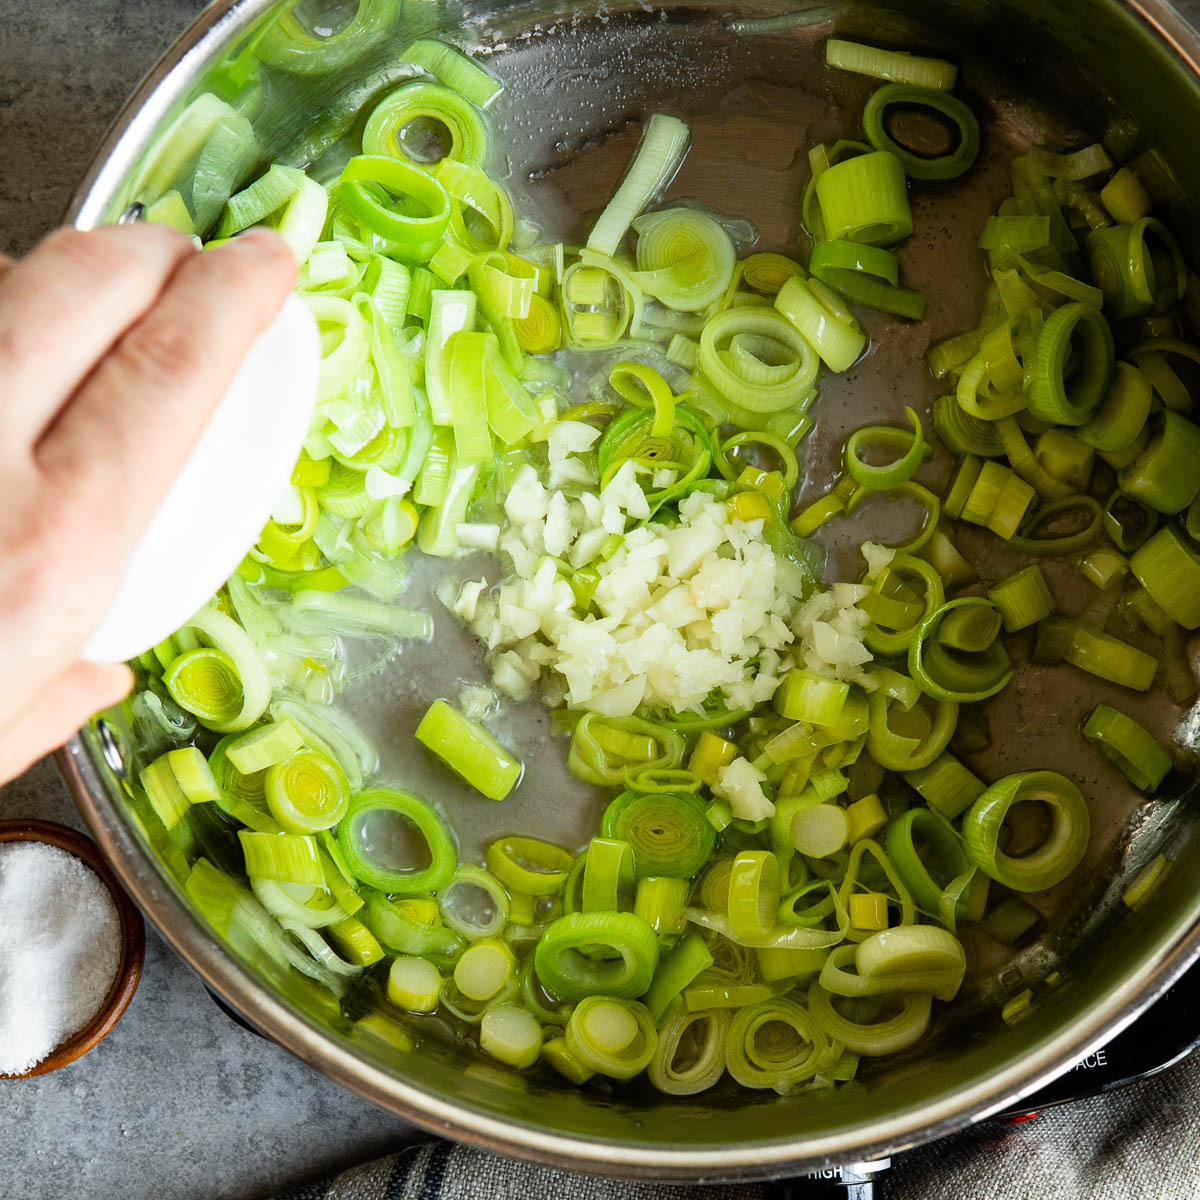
(1139, 1143)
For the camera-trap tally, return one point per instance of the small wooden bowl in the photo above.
(133, 939)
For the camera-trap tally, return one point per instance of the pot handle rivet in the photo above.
(111, 748)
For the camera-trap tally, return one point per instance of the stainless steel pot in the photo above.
(577, 75)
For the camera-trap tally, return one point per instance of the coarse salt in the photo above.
(60, 948)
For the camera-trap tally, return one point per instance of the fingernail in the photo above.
(258, 240)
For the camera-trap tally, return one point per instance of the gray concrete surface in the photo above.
(65, 70)
(178, 1103)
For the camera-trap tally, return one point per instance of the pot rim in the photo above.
(969, 1102)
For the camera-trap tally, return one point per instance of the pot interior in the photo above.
(579, 80)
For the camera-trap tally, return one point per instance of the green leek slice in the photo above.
(395, 842)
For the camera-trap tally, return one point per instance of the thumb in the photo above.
(58, 711)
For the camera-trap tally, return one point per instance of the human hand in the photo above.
(115, 346)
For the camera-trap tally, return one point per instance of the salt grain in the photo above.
(60, 948)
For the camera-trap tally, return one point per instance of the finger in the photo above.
(60, 572)
(61, 708)
(121, 440)
(65, 305)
